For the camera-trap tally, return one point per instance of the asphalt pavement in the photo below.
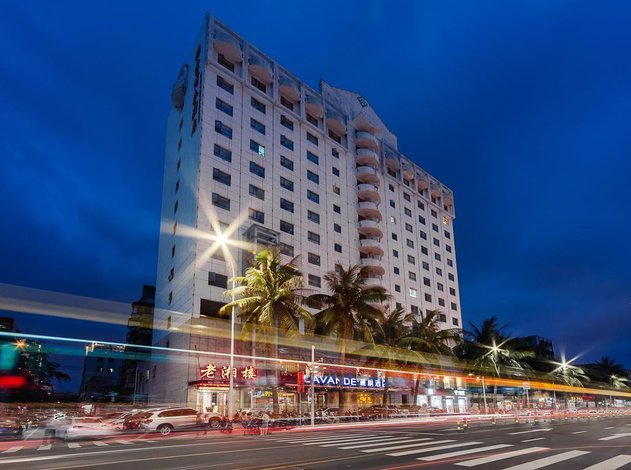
(599, 444)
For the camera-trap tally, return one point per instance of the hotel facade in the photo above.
(313, 171)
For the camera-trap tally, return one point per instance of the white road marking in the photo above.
(530, 430)
(339, 441)
(502, 456)
(392, 442)
(609, 427)
(535, 464)
(315, 438)
(73, 445)
(432, 449)
(463, 452)
(578, 432)
(100, 444)
(125, 442)
(535, 439)
(361, 441)
(405, 446)
(45, 447)
(12, 449)
(615, 436)
(612, 463)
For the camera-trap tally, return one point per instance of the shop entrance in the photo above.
(212, 400)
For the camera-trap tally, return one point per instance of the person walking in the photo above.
(264, 423)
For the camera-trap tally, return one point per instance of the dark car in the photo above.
(11, 428)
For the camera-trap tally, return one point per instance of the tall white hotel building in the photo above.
(315, 171)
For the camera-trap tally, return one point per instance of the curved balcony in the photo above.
(289, 88)
(367, 174)
(373, 282)
(367, 157)
(408, 171)
(370, 228)
(374, 265)
(435, 189)
(370, 246)
(448, 199)
(366, 140)
(228, 46)
(260, 68)
(336, 121)
(314, 106)
(369, 209)
(369, 192)
(392, 162)
(421, 182)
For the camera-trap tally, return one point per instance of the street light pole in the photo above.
(486, 409)
(312, 378)
(231, 383)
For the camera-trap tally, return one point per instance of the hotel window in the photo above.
(439, 271)
(256, 147)
(225, 85)
(428, 297)
(257, 126)
(412, 275)
(223, 153)
(396, 270)
(313, 177)
(407, 212)
(445, 220)
(170, 299)
(171, 275)
(258, 84)
(392, 173)
(409, 228)
(313, 237)
(335, 153)
(175, 206)
(337, 228)
(286, 103)
(451, 277)
(448, 248)
(440, 287)
(313, 158)
(421, 219)
(437, 256)
(420, 205)
(313, 259)
(442, 318)
(411, 259)
(391, 187)
(222, 129)
(450, 263)
(394, 236)
(257, 192)
(312, 138)
(392, 204)
(313, 197)
(285, 121)
(224, 107)
(174, 227)
(424, 250)
(313, 216)
(287, 163)
(454, 321)
(454, 306)
(335, 137)
(406, 196)
(286, 227)
(179, 144)
(335, 171)
(286, 249)
(256, 215)
(220, 201)
(173, 251)
(311, 119)
(337, 209)
(336, 189)
(315, 281)
(434, 213)
(427, 282)
(217, 280)
(286, 205)
(425, 265)
(423, 235)
(409, 243)
(221, 60)
(447, 234)
(286, 184)
(397, 288)
(221, 177)
(256, 104)
(286, 142)
(337, 247)
(414, 309)
(179, 164)
(395, 253)
(436, 242)
(441, 302)
(452, 291)
(393, 220)
(413, 293)
(258, 170)
(435, 227)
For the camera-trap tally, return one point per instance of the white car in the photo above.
(166, 420)
(87, 428)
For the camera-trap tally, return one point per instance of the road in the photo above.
(602, 444)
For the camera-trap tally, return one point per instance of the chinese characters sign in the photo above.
(210, 372)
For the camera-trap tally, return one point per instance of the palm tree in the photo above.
(569, 375)
(269, 298)
(426, 336)
(350, 310)
(606, 367)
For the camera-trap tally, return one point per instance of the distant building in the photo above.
(542, 346)
(102, 372)
(9, 324)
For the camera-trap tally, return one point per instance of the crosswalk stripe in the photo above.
(379, 443)
(337, 441)
(319, 438)
(73, 445)
(125, 442)
(535, 464)
(530, 430)
(99, 443)
(612, 463)
(615, 436)
(45, 447)
(608, 427)
(12, 449)
(502, 456)
(432, 449)
(149, 441)
(359, 440)
(407, 446)
(463, 452)
(578, 432)
(533, 440)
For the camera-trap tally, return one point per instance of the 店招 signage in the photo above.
(332, 380)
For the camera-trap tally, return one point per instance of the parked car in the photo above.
(87, 428)
(11, 428)
(167, 420)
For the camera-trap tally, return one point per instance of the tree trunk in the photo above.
(417, 384)
(275, 407)
(340, 395)
(386, 398)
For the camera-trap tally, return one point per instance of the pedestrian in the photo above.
(264, 422)
(52, 425)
